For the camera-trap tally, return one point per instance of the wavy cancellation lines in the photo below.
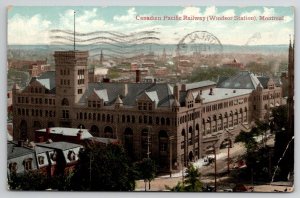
(113, 44)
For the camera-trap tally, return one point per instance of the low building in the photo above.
(57, 134)
(49, 158)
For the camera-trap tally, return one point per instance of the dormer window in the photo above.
(41, 160)
(71, 156)
(53, 156)
(13, 167)
(28, 164)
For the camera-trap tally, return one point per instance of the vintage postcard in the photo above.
(139, 98)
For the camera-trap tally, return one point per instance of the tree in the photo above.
(146, 170)
(103, 169)
(32, 180)
(191, 183)
(192, 180)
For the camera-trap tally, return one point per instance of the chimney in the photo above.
(47, 133)
(211, 91)
(137, 75)
(79, 134)
(176, 92)
(40, 139)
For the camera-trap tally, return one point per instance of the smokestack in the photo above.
(176, 92)
(47, 133)
(211, 91)
(79, 135)
(137, 75)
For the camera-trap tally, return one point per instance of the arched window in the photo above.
(162, 121)
(128, 119)
(108, 132)
(128, 141)
(65, 102)
(168, 121)
(95, 131)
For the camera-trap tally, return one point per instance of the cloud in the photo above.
(28, 30)
(86, 21)
(212, 10)
(131, 14)
(195, 11)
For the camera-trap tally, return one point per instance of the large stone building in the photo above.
(173, 124)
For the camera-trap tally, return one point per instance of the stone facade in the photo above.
(173, 124)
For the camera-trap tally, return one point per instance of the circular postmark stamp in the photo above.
(200, 43)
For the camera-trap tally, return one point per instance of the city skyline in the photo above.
(32, 25)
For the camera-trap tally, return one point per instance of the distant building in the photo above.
(176, 123)
(234, 64)
(37, 69)
(161, 71)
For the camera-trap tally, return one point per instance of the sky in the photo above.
(31, 25)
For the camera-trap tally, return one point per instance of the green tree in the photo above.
(192, 179)
(32, 180)
(103, 169)
(191, 183)
(146, 170)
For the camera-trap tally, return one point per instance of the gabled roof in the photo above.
(47, 79)
(159, 92)
(15, 151)
(102, 94)
(264, 81)
(242, 80)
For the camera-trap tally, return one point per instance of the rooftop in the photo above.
(59, 145)
(221, 93)
(68, 132)
(199, 84)
(242, 80)
(14, 151)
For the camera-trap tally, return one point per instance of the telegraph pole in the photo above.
(148, 143)
(74, 29)
(215, 168)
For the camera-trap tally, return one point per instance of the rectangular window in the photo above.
(28, 164)
(79, 91)
(150, 106)
(140, 107)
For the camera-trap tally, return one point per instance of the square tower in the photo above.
(71, 75)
